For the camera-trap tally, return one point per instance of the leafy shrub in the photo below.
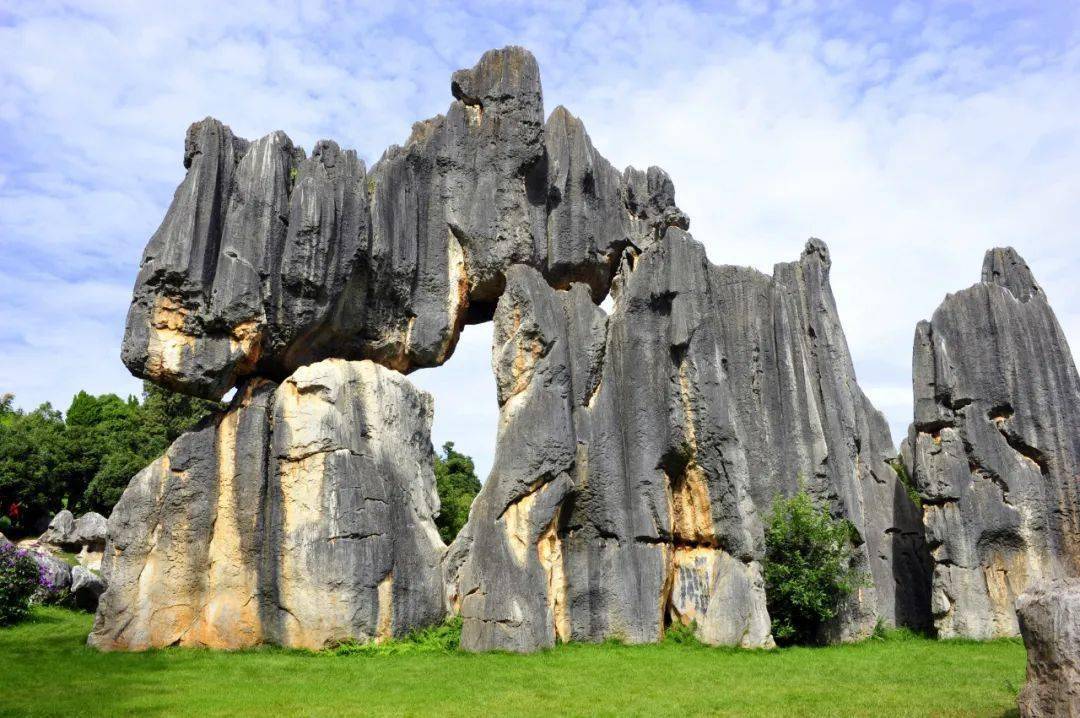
(681, 634)
(807, 568)
(444, 638)
(20, 577)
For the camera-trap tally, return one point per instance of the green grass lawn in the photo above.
(45, 669)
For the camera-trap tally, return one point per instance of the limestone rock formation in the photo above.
(90, 531)
(301, 516)
(637, 452)
(61, 528)
(86, 588)
(268, 259)
(994, 448)
(71, 534)
(1049, 615)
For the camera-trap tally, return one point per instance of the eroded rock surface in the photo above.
(1049, 614)
(86, 588)
(994, 448)
(268, 259)
(301, 516)
(637, 453)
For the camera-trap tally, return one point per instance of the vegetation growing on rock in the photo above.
(808, 571)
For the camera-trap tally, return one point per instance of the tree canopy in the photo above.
(84, 458)
(457, 484)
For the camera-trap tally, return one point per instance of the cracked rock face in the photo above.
(269, 259)
(638, 452)
(994, 448)
(1049, 614)
(302, 516)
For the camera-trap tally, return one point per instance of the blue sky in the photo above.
(909, 136)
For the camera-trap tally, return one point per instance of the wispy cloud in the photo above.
(909, 136)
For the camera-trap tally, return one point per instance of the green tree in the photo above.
(125, 436)
(455, 477)
(34, 461)
(84, 459)
(169, 414)
(808, 573)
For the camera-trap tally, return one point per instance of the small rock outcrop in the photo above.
(1049, 614)
(994, 448)
(301, 516)
(268, 259)
(86, 588)
(637, 454)
(68, 533)
(61, 529)
(90, 531)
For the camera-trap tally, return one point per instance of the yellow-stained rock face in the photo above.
(168, 342)
(550, 551)
(384, 630)
(229, 618)
(245, 340)
(288, 521)
(691, 511)
(516, 524)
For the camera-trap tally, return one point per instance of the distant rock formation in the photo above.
(995, 448)
(638, 452)
(1049, 615)
(88, 532)
(301, 516)
(269, 260)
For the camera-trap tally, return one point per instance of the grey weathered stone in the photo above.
(86, 588)
(90, 531)
(637, 453)
(69, 533)
(301, 516)
(1049, 614)
(60, 530)
(268, 260)
(994, 448)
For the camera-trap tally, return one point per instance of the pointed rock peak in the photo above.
(199, 134)
(817, 248)
(500, 75)
(562, 116)
(1005, 266)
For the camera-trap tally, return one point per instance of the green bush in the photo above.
(807, 567)
(19, 578)
(682, 634)
(443, 638)
(456, 481)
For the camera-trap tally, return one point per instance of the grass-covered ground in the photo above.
(45, 669)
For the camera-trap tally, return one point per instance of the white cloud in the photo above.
(910, 139)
